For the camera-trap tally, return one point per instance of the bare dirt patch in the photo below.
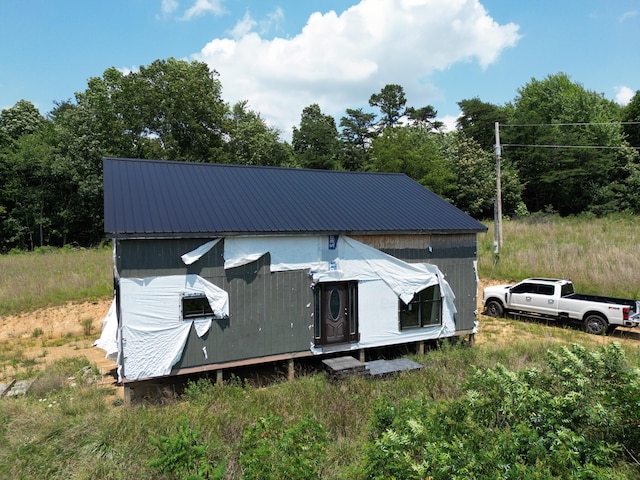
(30, 341)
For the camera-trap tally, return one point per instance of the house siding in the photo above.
(269, 313)
(453, 254)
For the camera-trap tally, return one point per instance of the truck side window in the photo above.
(567, 290)
(545, 289)
(524, 288)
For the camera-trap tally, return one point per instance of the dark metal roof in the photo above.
(157, 198)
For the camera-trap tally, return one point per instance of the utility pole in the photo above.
(498, 240)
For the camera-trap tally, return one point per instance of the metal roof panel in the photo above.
(167, 198)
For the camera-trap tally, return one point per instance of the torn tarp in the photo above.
(152, 329)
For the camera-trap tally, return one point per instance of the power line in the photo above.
(565, 124)
(567, 146)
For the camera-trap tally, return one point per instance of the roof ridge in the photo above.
(238, 165)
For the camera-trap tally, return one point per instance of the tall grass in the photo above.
(50, 277)
(61, 431)
(600, 255)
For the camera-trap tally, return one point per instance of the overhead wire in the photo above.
(567, 124)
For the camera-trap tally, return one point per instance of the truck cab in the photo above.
(537, 295)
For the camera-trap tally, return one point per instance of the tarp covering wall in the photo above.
(154, 334)
(152, 329)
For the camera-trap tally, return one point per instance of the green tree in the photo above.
(473, 189)
(21, 119)
(562, 114)
(252, 142)
(424, 117)
(315, 143)
(415, 152)
(357, 129)
(392, 102)
(478, 120)
(29, 190)
(181, 104)
(631, 116)
(168, 110)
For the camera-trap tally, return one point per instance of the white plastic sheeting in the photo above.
(287, 253)
(152, 329)
(382, 280)
(195, 255)
(153, 334)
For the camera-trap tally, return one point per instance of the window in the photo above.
(524, 288)
(567, 289)
(545, 289)
(424, 310)
(195, 306)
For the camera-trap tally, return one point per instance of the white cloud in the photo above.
(202, 7)
(339, 60)
(169, 6)
(628, 15)
(623, 94)
(273, 21)
(450, 122)
(243, 27)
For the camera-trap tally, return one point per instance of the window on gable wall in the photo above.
(424, 310)
(195, 306)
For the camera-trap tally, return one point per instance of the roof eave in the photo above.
(176, 235)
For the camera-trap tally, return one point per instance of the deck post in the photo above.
(421, 347)
(292, 369)
(362, 355)
(219, 377)
(128, 395)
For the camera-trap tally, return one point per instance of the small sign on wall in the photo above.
(333, 242)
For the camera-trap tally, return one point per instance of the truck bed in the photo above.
(598, 298)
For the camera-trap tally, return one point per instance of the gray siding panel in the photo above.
(269, 313)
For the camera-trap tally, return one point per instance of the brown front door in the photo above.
(337, 312)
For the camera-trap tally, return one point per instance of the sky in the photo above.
(284, 55)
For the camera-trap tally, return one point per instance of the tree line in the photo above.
(566, 148)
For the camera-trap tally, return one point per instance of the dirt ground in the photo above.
(48, 334)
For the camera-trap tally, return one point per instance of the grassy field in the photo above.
(600, 255)
(67, 428)
(48, 277)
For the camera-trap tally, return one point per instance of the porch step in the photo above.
(344, 366)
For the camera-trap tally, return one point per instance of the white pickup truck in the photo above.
(555, 299)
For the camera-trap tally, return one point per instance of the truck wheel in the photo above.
(595, 324)
(494, 309)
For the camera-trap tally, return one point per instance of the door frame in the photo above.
(321, 290)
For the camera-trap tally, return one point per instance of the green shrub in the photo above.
(577, 419)
(271, 451)
(183, 455)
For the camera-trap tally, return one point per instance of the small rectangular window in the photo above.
(195, 306)
(424, 310)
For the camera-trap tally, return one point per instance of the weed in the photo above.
(87, 326)
(183, 454)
